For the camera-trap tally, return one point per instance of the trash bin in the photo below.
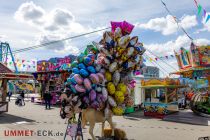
(32, 99)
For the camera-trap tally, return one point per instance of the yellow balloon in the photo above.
(122, 87)
(108, 76)
(118, 110)
(119, 97)
(111, 88)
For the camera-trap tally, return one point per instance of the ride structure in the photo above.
(194, 68)
(5, 51)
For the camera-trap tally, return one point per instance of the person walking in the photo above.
(22, 95)
(47, 98)
(9, 94)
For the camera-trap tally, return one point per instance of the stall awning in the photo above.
(163, 86)
(191, 70)
(14, 76)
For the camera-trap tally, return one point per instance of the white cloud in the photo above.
(168, 48)
(167, 25)
(30, 13)
(54, 25)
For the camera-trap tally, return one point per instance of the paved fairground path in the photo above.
(34, 117)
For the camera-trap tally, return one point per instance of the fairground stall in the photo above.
(160, 96)
(5, 75)
(51, 75)
(194, 68)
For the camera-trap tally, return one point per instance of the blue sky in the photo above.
(26, 23)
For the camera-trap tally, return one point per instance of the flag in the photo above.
(199, 9)
(166, 57)
(23, 61)
(204, 13)
(207, 19)
(156, 58)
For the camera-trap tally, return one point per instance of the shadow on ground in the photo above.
(7, 119)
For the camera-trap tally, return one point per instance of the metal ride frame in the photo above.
(5, 50)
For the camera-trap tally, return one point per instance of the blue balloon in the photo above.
(73, 80)
(75, 70)
(84, 73)
(91, 69)
(88, 61)
(81, 66)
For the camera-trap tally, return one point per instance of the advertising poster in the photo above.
(204, 55)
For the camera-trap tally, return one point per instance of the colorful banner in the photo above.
(204, 55)
(202, 10)
(55, 64)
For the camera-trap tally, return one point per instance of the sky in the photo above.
(27, 23)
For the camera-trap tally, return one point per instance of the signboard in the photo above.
(204, 55)
(55, 64)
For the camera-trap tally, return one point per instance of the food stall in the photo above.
(194, 70)
(160, 96)
(5, 75)
(51, 75)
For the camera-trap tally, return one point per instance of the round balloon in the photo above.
(108, 76)
(87, 84)
(122, 87)
(116, 77)
(94, 78)
(92, 95)
(118, 110)
(75, 70)
(111, 88)
(80, 88)
(104, 93)
(78, 79)
(84, 73)
(81, 66)
(74, 64)
(88, 61)
(91, 69)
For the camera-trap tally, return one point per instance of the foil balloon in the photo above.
(87, 84)
(116, 77)
(117, 33)
(94, 78)
(104, 93)
(127, 27)
(92, 95)
(124, 41)
(84, 73)
(101, 77)
(113, 67)
(81, 66)
(115, 25)
(78, 79)
(92, 56)
(103, 71)
(91, 69)
(80, 88)
(98, 89)
(111, 101)
(111, 88)
(98, 68)
(133, 40)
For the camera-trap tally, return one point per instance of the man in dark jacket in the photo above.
(47, 98)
